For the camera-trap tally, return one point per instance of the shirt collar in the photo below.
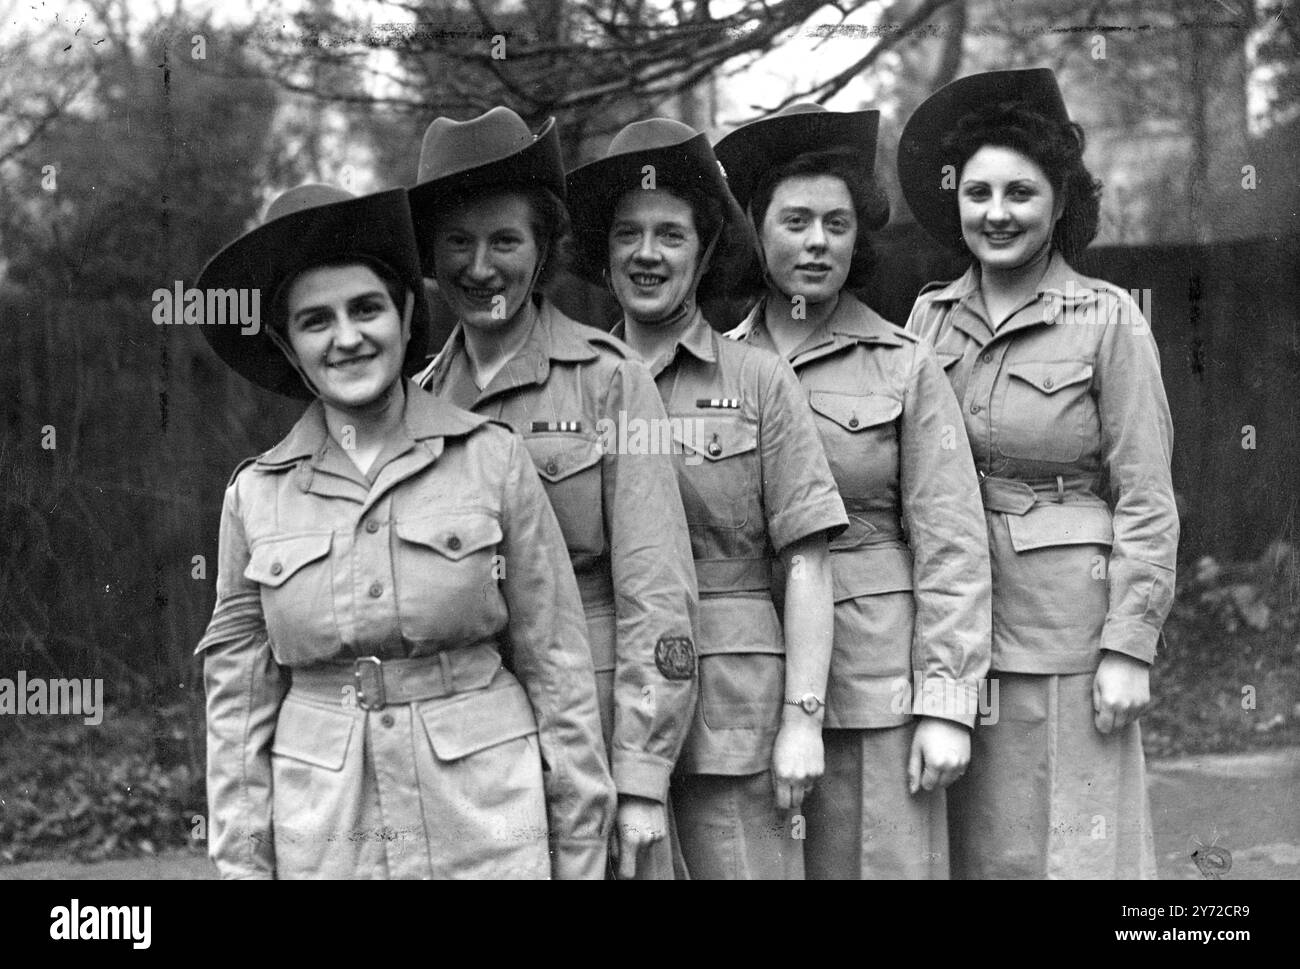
(424, 416)
(856, 320)
(959, 288)
(1059, 280)
(1062, 284)
(852, 321)
(698, 338)
(558, 341)
(1059, 287)
(549, 340)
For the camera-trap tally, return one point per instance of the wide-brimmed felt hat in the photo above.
(679, 156)
(495, 150)
(303, 228)
(921, 157)
(754, 149)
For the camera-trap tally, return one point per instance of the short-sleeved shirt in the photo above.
(1070, 429)
(911, 572)
(753, 480)
(566, 391)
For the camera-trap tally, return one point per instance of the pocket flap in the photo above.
(871, 571)
(476, 721)
(1051, 524)
(855, 412)
(271, 562)
(716, 438)
(454, 536)
(313, 734)
(1051, 376)
(947, 358)
(557, 456)
(738, 624)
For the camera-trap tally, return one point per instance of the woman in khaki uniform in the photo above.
(490, 220)
(911, 572)
(1059, 383)
(372, 565)
(656, 214)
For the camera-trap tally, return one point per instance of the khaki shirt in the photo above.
(448, 547)
(1071, 433)
(753, 480)
(912, 584)
(568, 391)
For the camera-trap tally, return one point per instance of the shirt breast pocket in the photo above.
(570, 468)
(297, 578)
(1045, 410)
(447, 577)
(720, 478)
(860, 435)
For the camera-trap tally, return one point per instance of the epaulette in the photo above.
(937, 284)
(905, 335)
(424, 376)
(608, 341)
(241, 466)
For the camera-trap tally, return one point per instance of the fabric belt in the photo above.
(733, 575)
(379, 683)
(1017, 497)
(596, 587)
(868, 525)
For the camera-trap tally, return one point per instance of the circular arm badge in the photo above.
(675, 657)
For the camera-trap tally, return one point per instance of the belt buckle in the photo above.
(376, 666)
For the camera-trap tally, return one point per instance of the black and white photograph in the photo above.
(651, 440)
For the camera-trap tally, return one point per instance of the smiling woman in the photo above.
(1070, 430)
(354, 682)
(655, 250)
(347, 333)
(911, 571)
(762, 497)
(492, 229)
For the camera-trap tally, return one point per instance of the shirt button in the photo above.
(986, 358)
(551, 467)
(276, 568)
(376, 590)
(1048, 383)
(853, 422)
(975, 408)
(372, 526)
(387, 720)
(453, 543)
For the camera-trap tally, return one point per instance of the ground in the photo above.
(1244, 803)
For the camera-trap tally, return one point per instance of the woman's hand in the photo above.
(1121, 690)
(641, 822)
(940, 753)
(798, 759)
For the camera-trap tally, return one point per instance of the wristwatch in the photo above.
(810, 702)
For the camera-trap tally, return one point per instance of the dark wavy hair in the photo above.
(870, 205)
(1055, 146)
(397, 290)
(548, 218)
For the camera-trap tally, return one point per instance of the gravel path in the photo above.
(1248, 804)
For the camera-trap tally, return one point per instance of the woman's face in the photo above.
(348, 336)
(485, 257)
(808, 234)
(653, 253)
(1007, 206)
